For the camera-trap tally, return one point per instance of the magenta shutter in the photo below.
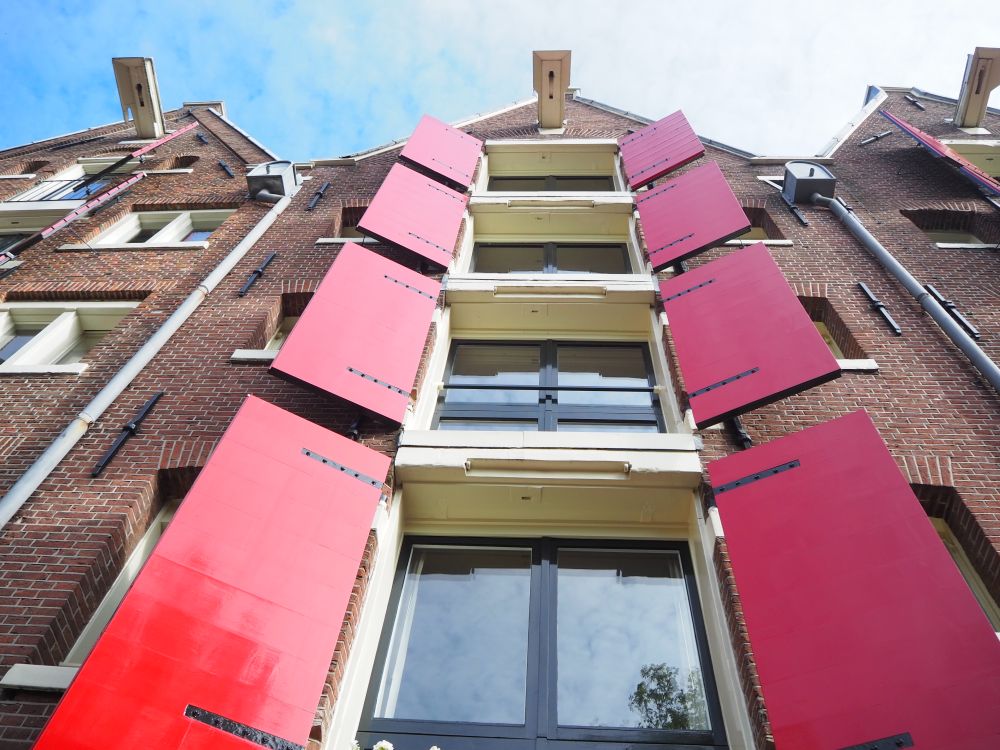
(237, 612)
(443, 150)
(741, 337)
(861, 625)
(416, 213)
(362, 335)
(658, 149)
(689, 214)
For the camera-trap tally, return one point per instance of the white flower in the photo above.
(382, 745)
(355, 745)
(435, 747)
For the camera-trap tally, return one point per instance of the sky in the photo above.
(323, 78)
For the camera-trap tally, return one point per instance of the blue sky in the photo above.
(320, 78)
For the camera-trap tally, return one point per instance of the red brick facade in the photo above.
(67, 544)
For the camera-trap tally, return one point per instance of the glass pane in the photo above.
(565, 426)
(9, 240)
(604, 366)
(582, 183)
(509, 259)
(459, 648)
(496, 366)
(87, 341)
(486, 424)
(145, 234)
(21, 337)
(591, 259)
(625, 616)
(81, 193)
(517, 183)
(198, 235)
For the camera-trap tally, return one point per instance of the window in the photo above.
(9, 240)
(102, 615)
(163, 228)
(952, 227)
(833, 329)
(284, 328)
(551, 183)
(67, 185)
(762, 226)
(549, 385)
(965, 566)
(550, 257)
(519, 641)
(54, 337)
(349, 218)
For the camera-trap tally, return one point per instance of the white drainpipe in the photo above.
(40, 469)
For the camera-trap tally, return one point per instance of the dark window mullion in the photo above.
(549, 258)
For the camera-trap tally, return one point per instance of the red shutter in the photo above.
(658, 149)
(741, 336)
(416, 213)
(861, 626)
(932, 144)
(362, 335)
(238, 610)
(689, 214)
(443, 150)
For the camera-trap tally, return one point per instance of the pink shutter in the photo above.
(932, 144)
(861, 626)
(416, 213)
(741, 336)
(238, 610)
(689, 214)
(443, 150)
(658, 149)
(362, 335)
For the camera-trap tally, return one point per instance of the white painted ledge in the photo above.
(38, 677)
(771, 243)
(253, 355)
(186, 170)
(858, 365)
(133, 246)
(509, 439)
(344, 240)
(77, 368)
(17, 176)
(967, 245)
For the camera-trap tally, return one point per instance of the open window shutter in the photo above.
(443, 150)
(689, 214)
(658, 149)
(741, 336)
(237, 612)
(363, 332)
(861, 626)
(932, 144)
(416, 213)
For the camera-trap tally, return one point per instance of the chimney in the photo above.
(982, 75)
(551, 74)
(139, 92)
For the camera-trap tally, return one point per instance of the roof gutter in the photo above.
(979, 359)
(24, 487)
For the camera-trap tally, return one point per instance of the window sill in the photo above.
(344, 240)
(141, 246)
(253, 355)
(967, 246)
(77, 368)
(38, 677)
(638, 288)
(570, 440)
(624, 202)
(17, 176)
(748, 243)
(170, 171)
(858, 365)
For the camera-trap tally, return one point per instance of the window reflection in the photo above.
(498, 367)
(604, 367)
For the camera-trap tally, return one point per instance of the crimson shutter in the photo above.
(861, 626)
(932, 144)
(363, 332)
(443, 150)
(741, 336)
(658, 149)
(689, 214)
(238, 610)
(416, 213)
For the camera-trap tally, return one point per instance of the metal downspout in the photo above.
(979, 359)
(28, 482)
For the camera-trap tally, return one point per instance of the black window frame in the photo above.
(548, 412)
(549, 183)
(549, 254)
(541, 725)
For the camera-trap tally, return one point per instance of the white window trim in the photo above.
(967, 245)
(62, 325)
(17, 176)
(44, 677)
(172, 227)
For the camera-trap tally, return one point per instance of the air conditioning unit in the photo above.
(139, 94)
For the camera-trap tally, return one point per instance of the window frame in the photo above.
(171, 229)
(549, 183)
(541, 722)
(549, 252)
(547, 413)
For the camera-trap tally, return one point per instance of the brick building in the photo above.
(493, 445)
